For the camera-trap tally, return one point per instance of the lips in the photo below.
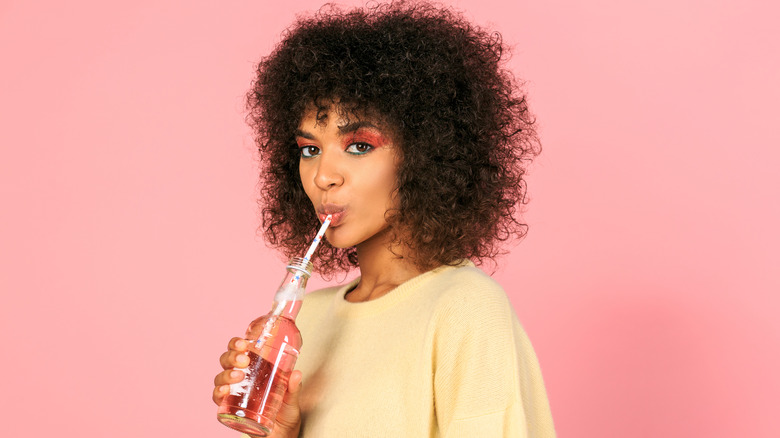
(337, 213)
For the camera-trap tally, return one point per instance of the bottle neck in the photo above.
(287, 309)
(289, 296)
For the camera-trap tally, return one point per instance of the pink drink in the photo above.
(252, 404)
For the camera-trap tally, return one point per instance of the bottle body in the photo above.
(274, 343)
(252, 404)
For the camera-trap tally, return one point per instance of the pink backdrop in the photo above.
(128, 255)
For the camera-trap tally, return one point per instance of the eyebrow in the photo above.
(352, 127)
(346, 129)
(304, 134)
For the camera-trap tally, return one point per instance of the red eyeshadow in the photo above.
(367, 136)
(301, 142)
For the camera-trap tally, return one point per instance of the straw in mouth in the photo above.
(313, 247)
(318, 238)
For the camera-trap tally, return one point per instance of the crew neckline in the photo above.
(388, 300)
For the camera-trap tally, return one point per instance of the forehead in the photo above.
(323, 115)
(321, 118)
(345, 120)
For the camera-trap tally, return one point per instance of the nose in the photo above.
(329, 172)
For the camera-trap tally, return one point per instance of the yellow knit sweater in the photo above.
(442, 355)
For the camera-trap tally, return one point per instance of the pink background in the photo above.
(128, 254)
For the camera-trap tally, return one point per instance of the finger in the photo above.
(289, 415)
(233, 359)
(238, 344)
(294, 385)
(224, 360)
(228, 377)
(219, 394)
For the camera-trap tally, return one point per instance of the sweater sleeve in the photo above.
(487, 381)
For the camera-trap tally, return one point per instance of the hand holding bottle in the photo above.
(288, 420)
(260, 387)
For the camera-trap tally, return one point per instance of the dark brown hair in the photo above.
(461, 123)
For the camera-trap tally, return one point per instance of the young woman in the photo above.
(399, 121)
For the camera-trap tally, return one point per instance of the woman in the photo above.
(400, 122)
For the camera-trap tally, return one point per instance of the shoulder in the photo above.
(467, 277)
(467, 288)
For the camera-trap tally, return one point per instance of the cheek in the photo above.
(306, 181)
(382, 187)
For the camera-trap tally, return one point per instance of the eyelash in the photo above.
(311, 154)
(368, 148)
(303, 150)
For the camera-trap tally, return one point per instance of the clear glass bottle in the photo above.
(275, 341)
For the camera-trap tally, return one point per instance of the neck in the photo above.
(383, 267)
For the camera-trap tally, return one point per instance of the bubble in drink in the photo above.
(252, 404)
(275, 341)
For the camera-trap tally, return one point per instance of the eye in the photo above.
(309, 151)
(359, 148)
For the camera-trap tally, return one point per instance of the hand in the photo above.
(288, 419)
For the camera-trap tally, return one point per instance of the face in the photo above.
(348, 170)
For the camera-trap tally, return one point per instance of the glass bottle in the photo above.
(251, 405)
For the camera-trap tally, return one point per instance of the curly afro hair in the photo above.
(460, 122)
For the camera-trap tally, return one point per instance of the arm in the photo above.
(487, 381)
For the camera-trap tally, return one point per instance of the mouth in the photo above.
(337, 213)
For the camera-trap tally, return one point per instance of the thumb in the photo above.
(289, 415)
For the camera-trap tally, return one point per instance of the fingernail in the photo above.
(223, 389)
(240, 344)
(236, 374)
(242, 359)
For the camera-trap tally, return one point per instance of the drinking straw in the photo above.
(313, 247)
(317, 238)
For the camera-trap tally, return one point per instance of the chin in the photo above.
(342, 237)
(340, 246)
(337, 241)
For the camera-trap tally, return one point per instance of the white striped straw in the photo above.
(313, 247)
(317, 238)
